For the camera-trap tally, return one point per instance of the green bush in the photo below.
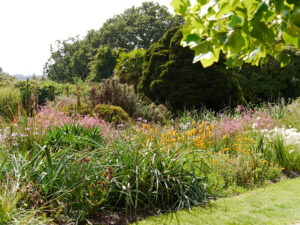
(271, 82)
(129, 66)
(111, 113)
(103, 64)
(111, 91)
(169, 74)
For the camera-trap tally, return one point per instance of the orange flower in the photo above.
(15, 120)
(214, 162)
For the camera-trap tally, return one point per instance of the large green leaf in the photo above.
(282, 58)
(180, 6)
(206, 54)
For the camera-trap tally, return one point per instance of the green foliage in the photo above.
(135, 28)
(41, 90)
(246, 31)
(111, 91)
(129, 66)
(271, 82)
(287, 157)
(138, 27)
(72, 136)
(70, 59)
(111, 113)
(169, 74)
(102, 64)
(9, 100)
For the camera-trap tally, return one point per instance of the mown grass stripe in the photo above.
(274, 204)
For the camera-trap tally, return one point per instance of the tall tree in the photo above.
(138, 27)
(245, 30)
(103, 64)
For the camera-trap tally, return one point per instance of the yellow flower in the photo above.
(265, 161)
(238, 149)
(235, 144)
(226, 149)
(214, 162)
(144, 126)
(210, 153)
(247, 139)
(253, 142)
(271, 164)
(282, 168)
(148, 126)
(194, 123)
(137, 130)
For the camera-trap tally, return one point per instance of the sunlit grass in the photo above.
(275, 204)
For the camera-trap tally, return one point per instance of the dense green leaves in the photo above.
(103, 64)
(129, 66)
(138, 27)
(244, 30)
(169, 75)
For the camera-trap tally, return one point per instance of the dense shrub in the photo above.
(103, 64)
(111, 113)
(129, 66)
(169, 74)
(271, 82)
(112, 92)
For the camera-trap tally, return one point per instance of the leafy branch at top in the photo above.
(244, 30)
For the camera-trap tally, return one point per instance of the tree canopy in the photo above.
(102, 64)
(138, 27)
(244, 30)
(169, 75)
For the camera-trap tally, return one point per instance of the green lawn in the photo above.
(275, 204)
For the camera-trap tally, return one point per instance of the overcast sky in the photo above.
(28, 27)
